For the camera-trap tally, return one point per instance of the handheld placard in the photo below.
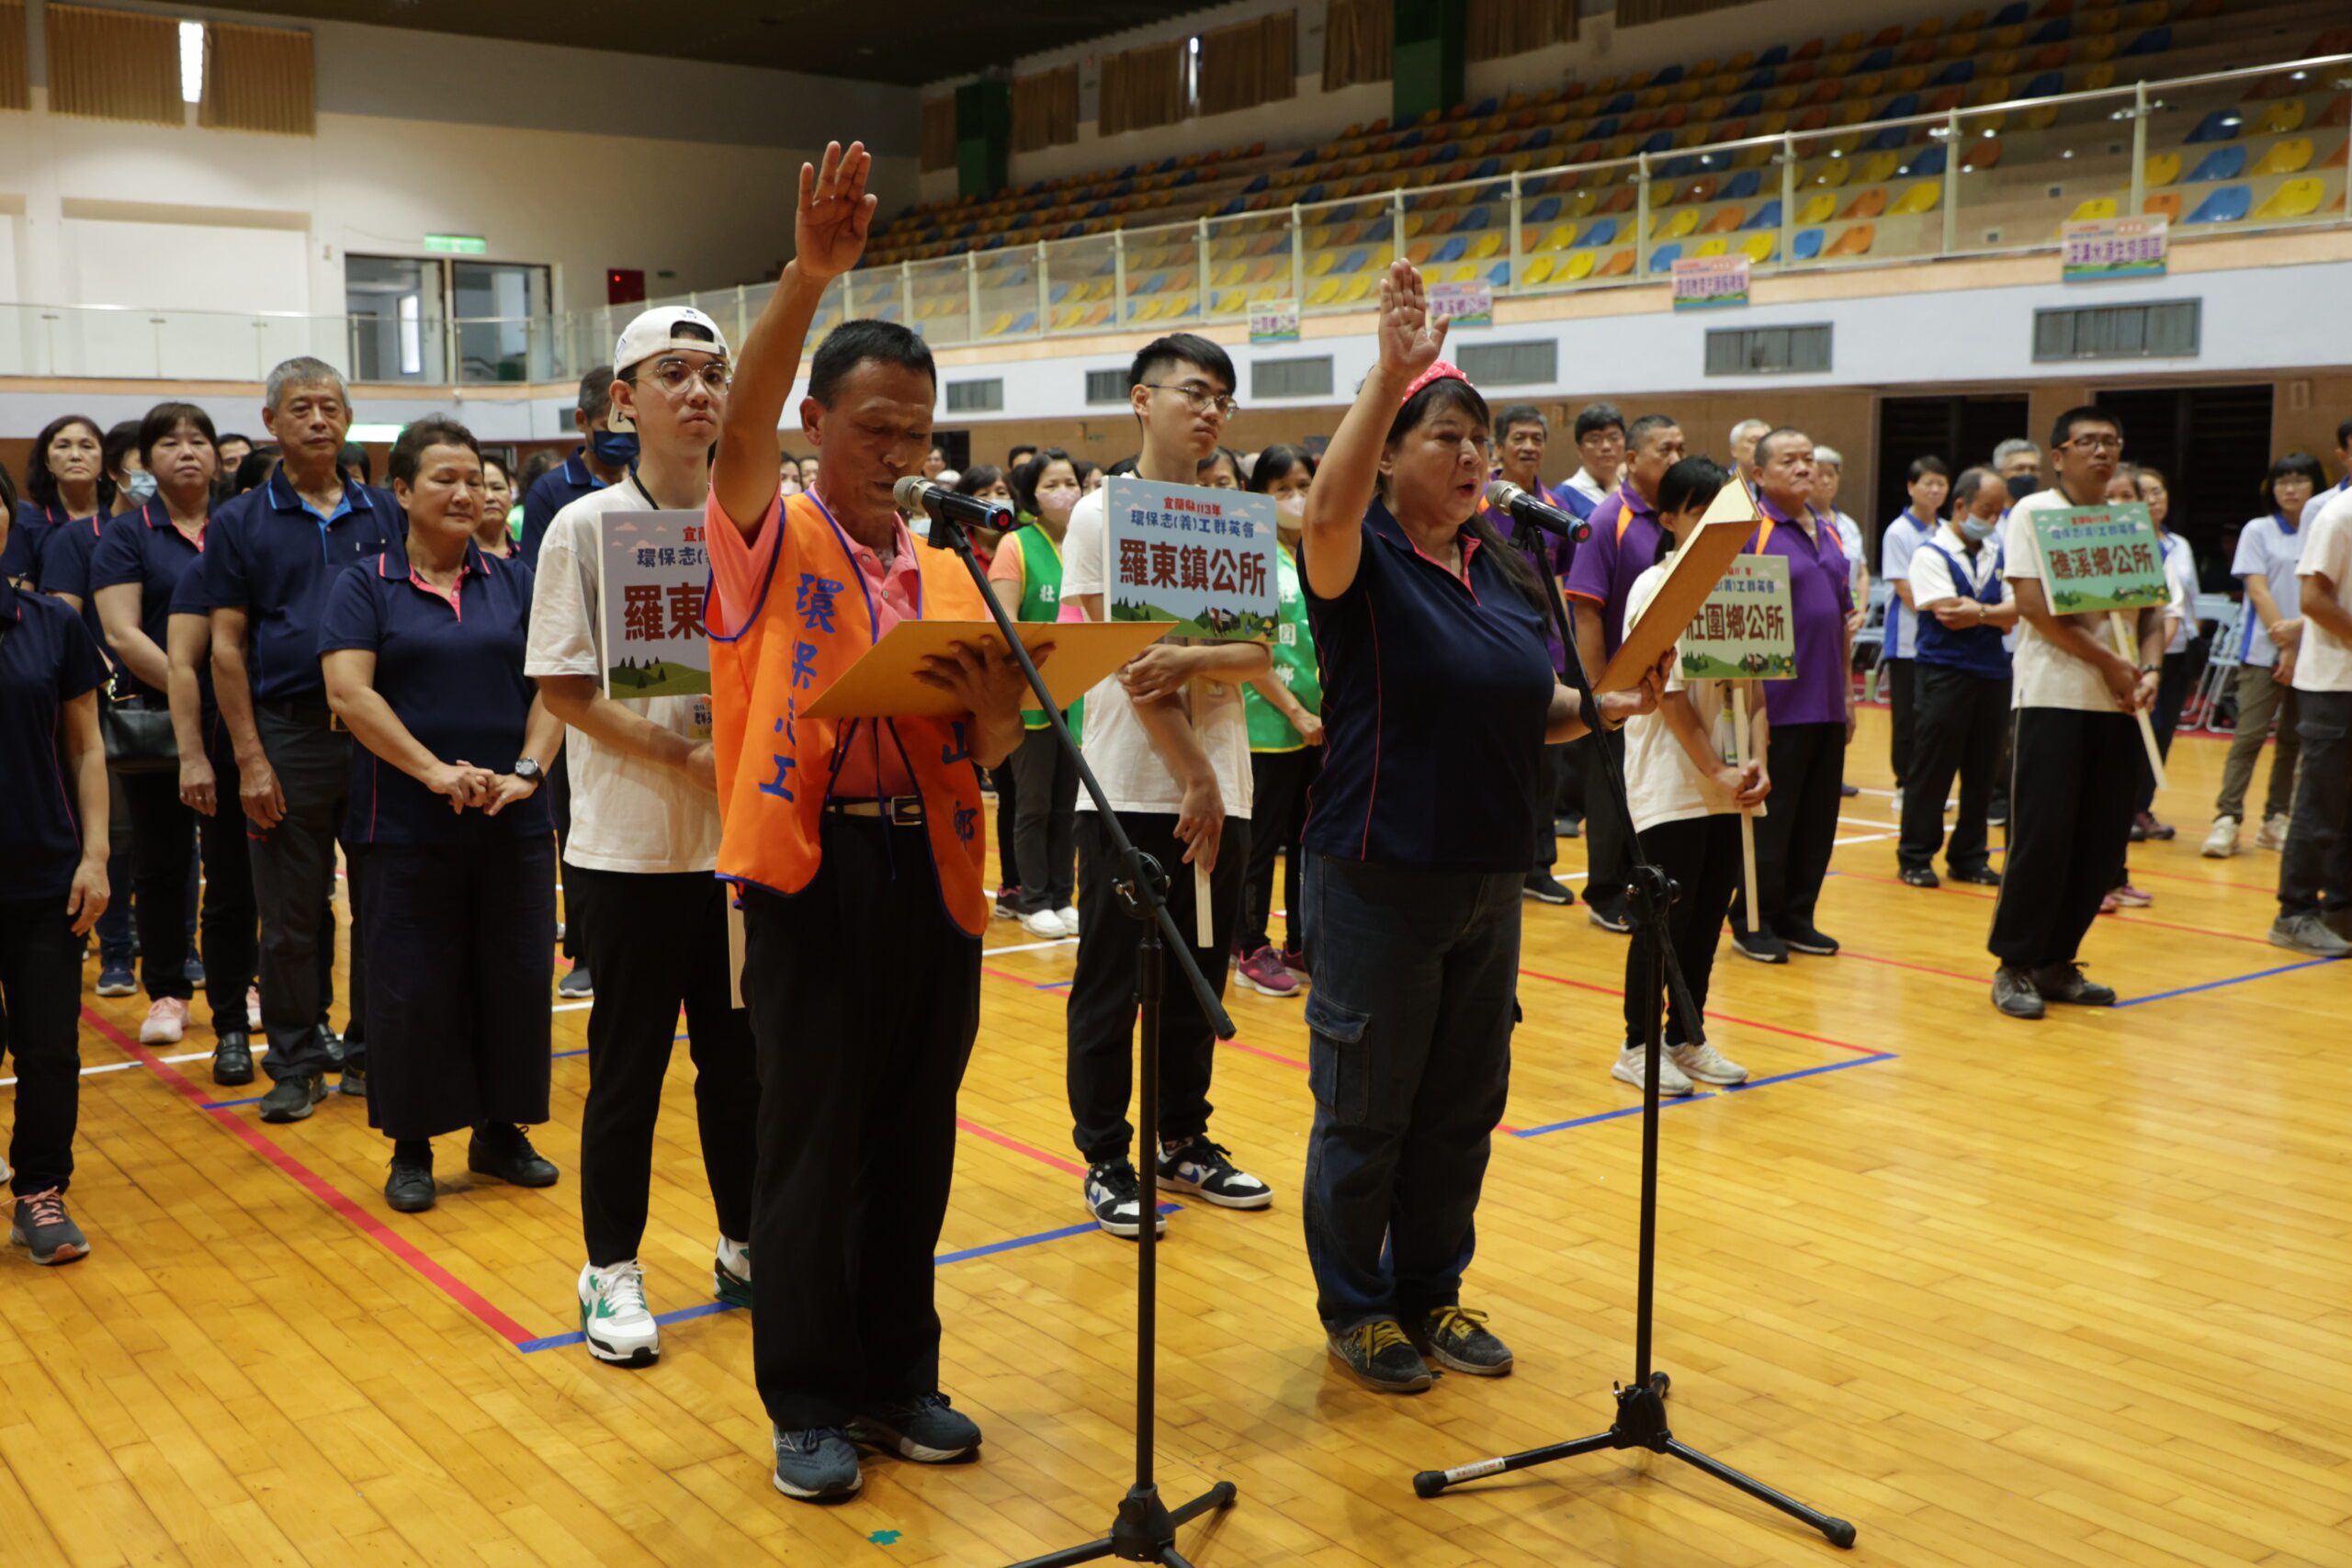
(1746, 630)
(2106, 559)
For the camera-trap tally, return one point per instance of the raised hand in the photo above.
(1408, 343)
(835, 213)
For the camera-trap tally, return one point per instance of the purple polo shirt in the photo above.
(1822, 593)
(1623, 545)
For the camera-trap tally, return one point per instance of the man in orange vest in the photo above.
(857, 845)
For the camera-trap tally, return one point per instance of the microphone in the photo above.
(915, 493)
(1505, 496)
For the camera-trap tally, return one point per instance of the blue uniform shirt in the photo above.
(452, 670)
(270, 554)
(46, 660)
(61, 564)
(31, 528)
(551, 493)
(145, 547)
(1435, 693)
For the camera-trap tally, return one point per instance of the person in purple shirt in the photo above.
(1623, 545)
(1519, 451)
(1812, 712)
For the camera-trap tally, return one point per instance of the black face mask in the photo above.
(614, 449)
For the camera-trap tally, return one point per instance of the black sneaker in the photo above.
(43, 1228)
(816, 1465)
(1206, 1170)
(2014, 994)
(232, 1058)
(409, 1188)
(502, 1149)
(352, 1081)
(576, 985)
(1810, 939)
(292, 1099)
(1982, 875)
(1113, 1195)
(925, 1430)
(1847, 791)
(1545, 888)
(1456, 1338)
(2066, 982)
(1567, 826)
(1920, 876)
(1610, 916)
(1378, 1355)
(1760, 945)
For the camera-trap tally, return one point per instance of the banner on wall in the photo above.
(1708, 283)
(2100, 248)
(1463, 304)
(1274, 323)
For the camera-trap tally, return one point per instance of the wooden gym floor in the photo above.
(2073, 1293)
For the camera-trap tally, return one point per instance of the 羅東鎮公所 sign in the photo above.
(1204, 558)
(653, 571)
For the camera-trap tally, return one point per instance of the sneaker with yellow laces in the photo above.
(1455, 1337)
(1378, 1355)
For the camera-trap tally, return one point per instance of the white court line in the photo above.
(119, 1066)
(1030, 947)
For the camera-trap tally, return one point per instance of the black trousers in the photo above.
(667, 949)
(461, 941)
(1101, 1010)
(1043, 845)
(1700, 856)
(1902, 700)
(2070, 817)
(1607, 857)
(864, 998)
(573, 942)
(1795, 836)
(1567, 798)
(1961, 720)
(164, 834)
(2172, 695)
(232, 934)
(1008, 814)
(41, 1010)
(2316, 869)
(1277, 819)
(293, 866)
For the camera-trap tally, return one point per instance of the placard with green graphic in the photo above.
(1744, 631)
(2100, 557)
(1201, 557)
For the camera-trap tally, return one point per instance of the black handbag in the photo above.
(139, 739)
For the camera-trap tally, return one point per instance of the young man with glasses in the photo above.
(1169, 737)
(2078, 747)
(1601, 442)
(637, 865)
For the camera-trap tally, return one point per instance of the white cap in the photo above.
(656, 331)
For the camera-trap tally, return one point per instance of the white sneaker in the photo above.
(1045, 923)
(2273, 835)
(612, 1315)
(731, 1272)
(1629, 1065)
(1704, 1064)
(1898, 800)
(167, 1022)
(2223, 842)
(252, 1007)
(1068, 913)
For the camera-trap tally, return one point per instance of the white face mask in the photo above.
(1290, 510)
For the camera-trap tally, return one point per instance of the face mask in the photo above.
(1290, 510)
(1976, 530)
(140, 487)
(614, 449)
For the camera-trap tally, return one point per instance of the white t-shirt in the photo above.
(1662, 783)
(1849, 540)
(2180, 571)
(2047, 676)
(1897, 542)
(2324, 663)
(1115, 745)
(627, 813)
(2267, 549)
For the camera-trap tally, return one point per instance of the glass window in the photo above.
(394, 305)
(497, 304)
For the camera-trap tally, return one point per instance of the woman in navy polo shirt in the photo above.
(1438, 700)
(423, 649)
(52, 889)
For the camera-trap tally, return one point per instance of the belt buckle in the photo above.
(906, 811)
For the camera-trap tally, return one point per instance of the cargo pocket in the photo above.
(1338, 1066)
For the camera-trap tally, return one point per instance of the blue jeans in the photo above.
(1411, 1020)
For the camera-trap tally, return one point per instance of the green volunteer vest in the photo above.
(1041, 600)
(1295, 667)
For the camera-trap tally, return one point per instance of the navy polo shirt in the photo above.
(551, 493)
(453, 674)
(62, 566)
(270, 554)
(1435, 693)
(29, 529)
(46, 660)
(188, 599)
(145, 547)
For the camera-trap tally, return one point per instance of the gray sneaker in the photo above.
(2308, 933)
(44, 1229)
(1456, 1338)
(2014, 992)
(1378, 1355)
(925, 1430)
(816, 1466)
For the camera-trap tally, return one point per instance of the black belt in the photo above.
(898, 810)
(318, 715)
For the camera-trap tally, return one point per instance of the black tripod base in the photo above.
(1145, 1530)
(1640, 1424)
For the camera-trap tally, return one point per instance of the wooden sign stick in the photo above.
(2124, 644)
(1739, 742)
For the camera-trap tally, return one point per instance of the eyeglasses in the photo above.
(1202, 399)
(672, 374)
(2097, 443)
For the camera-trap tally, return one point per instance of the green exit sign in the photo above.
(457, 244)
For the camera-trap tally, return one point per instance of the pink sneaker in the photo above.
(2132, 897)
(1294, 963)
(167, 1022)
(1263, 972)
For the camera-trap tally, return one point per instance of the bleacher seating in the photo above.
(2269, 150)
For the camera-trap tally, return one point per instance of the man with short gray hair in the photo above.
(1743, 438)
(2018, 462)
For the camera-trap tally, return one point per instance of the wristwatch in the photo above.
(527, 770)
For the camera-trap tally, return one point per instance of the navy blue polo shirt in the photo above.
(1435, 693)
(551, 493)
(47, 660)
(270, 554)
(453, 674)
(29, 529)
(62, 566)
(145, 547)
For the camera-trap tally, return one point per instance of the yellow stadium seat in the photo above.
(1715, 247)
(1911, 79)
(1817, 209)
(1277, 289)
(1759, 248)
(1835, 171)
(1583, 203)
(2164, 168)
(2292, 156)
(1877, 169)
(1559, 237)
(1783, 98)
(1752, 158)
(1536, 272)
(1361, 287)
(2094, 207)
(1579, 268)
(1772, 124)
(1677, 225)
(1863, 87)
(1325, 292)
(999, 327)
(1921, 197)
(2041, 117)
(1322, 263)
(2097, 79)
(1490, 245)
(2296, 198)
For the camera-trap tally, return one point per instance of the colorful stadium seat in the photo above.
(2296, 198)
(2228, 205)
(1663, 258)
(2221, 164)
(2091, 209)
(1922, 197)
(1759, 248)
(1854, 241)
(2291, 156)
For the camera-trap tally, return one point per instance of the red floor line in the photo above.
(1984, 979)
(367, 1224)
(2136, 917)
(1726, 1017)
(2270, 892)
(1067, 1167)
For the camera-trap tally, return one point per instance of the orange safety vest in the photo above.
(813, 619)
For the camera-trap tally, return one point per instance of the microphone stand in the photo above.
(1144, 1530)
(1641, 1406)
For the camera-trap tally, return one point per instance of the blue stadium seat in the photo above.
(1537, 140)
(1750, 104)
(1663, 258)
(1668, 77)
(1757, 81)
(1776, 55)
(2009, 15)
(1310, 155)
(1742, 187)
(1475, 220)
(1233, 208)
(1659, 142)
(1622, 104)
(1957, 73)
(1352, 261)
(2155, 40)
(1601, 231)
(1765, 217)
(1254, 187)
(1808, 244)
(1061, 292)
(1603, 128)
(2049, 85)
(2222, 125)
(1451, 251)
(2057, 30)
(2227, 205)
(2221, 164)
(1027, 323)
(1447, 153)
(1487, 107)
(1488, 169)
(1887, 140)
(1930, 161)
(1498, 275)
(1544, 210)
(1878, 60)
(1311, 195)
(1900, 106)
(1407, 141)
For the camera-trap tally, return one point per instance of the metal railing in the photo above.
(1997, 178)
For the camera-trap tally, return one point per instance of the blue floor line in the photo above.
(1668, 1104)
(2233, 980)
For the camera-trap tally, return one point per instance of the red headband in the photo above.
(1439, 371)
